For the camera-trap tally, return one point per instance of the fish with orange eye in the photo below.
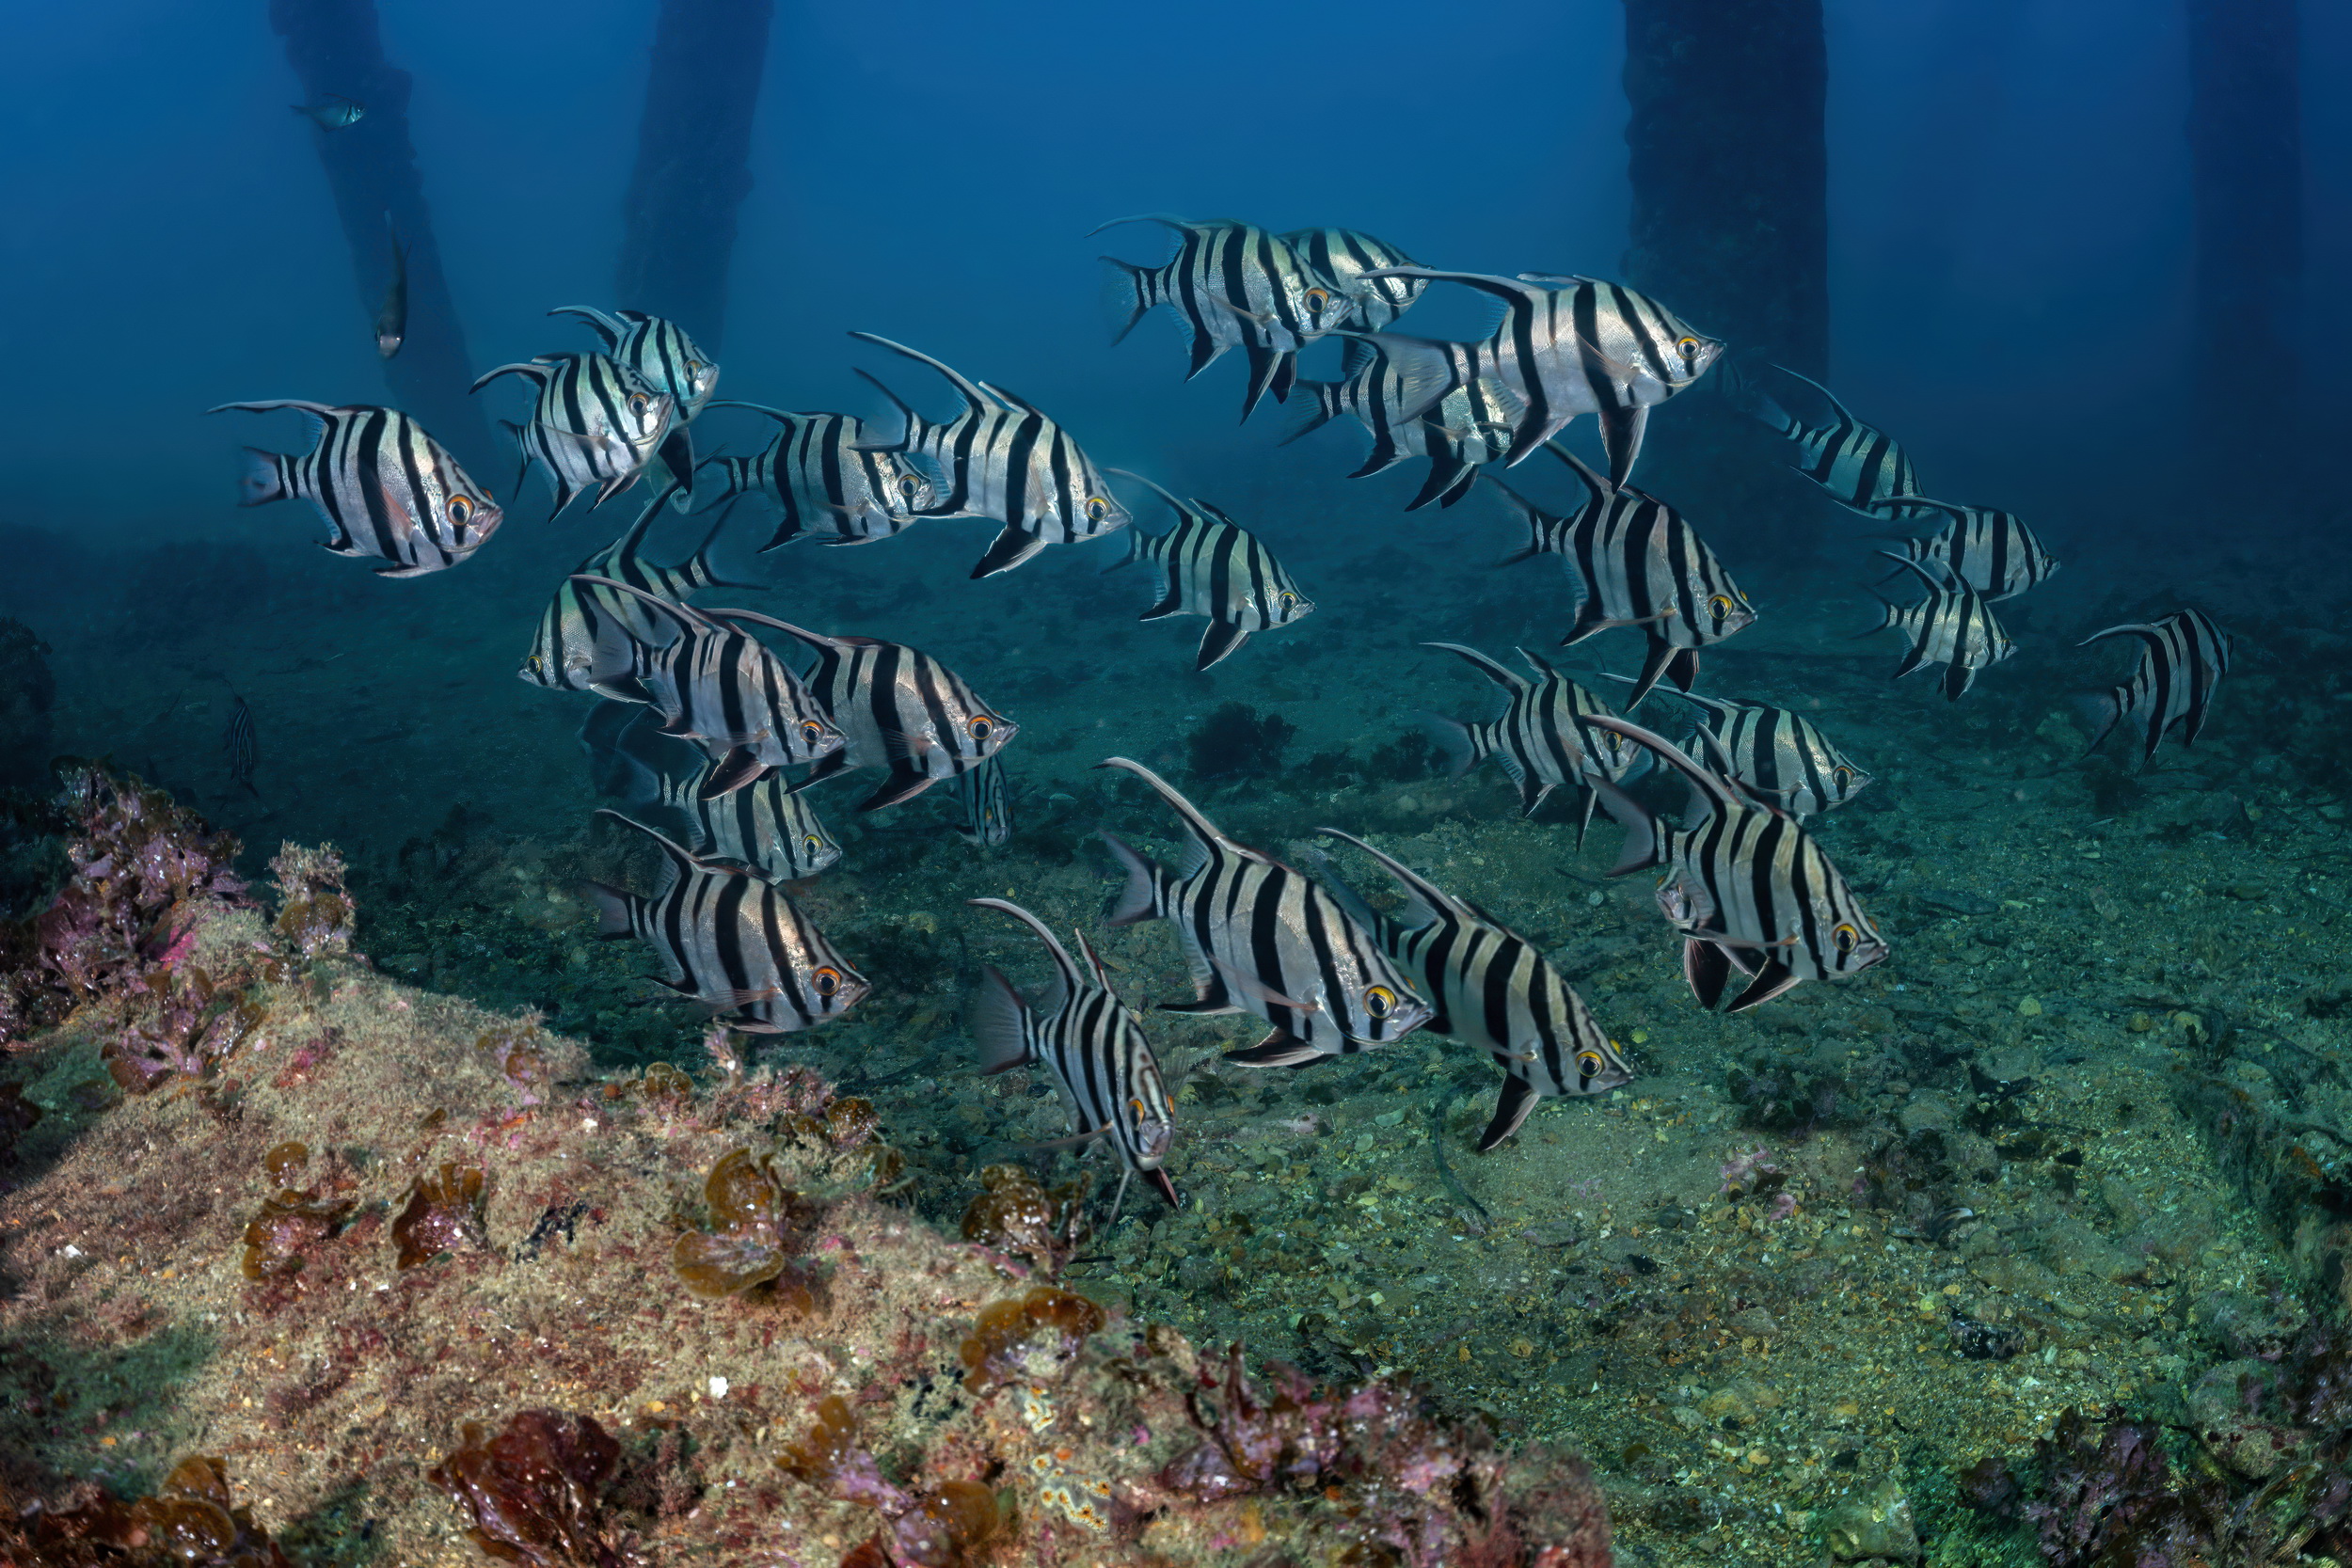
(1098, 1057)
(1782, 757)
(595, 423)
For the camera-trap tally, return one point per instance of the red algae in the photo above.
(1027, 1337)
(192, 1520)
(1014, 1214)
(756, 1224)
(443, 1214)
(534, 1492)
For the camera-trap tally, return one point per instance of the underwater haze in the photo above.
(1650, 878)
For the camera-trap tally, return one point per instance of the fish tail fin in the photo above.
(1319, 407)
(734, 475)
(2102, 711)
(1456, 741)
(1144, 895)
(268, 477)
(612, 919)
(715, 562)
(998, 1022)
(1127, 295)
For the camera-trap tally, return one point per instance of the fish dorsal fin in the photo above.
(1937, 581)
(686, 617)
(1183, 507)
(1535, 516)
(1600, 486)
(603, 326)
(625, 547)
(1707, 790)
(1072, 979)
(1094, 960)
(1012, 399)
(1494, 669)
(1427, 900)
(534, 369)
(979, 397)
(814, 638)
(1205, 834)
(781, 416)
(1720, 754)
(682, 859)
(1818, 387)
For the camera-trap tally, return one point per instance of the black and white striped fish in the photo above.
(1565, 346)
(1546, 740)
(1471, 425)
(1952, 626)
(667, 360)
(900, 708)
(239, 743)
(1494, 990)
(984, 801)
(731, 940)
(1781, 757)
(563, 654)
(1260, 938)
(2183, 659)
(1080, 1032)
(387, 489)
(764, 825)
(1863, 468)
(1344, 256)
(1211, 565)
(595, 423)
(1000, 458)
(1988, 551)
(1745, 884)
(1234, 285)
(1641, 565)
(826, 481)
(714, 684)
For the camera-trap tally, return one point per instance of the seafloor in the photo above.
(2073, 1146)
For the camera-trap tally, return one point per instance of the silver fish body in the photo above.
(387, 490)
(2182, 661)
(1780, 756)
(1990, 551)
(1470, 426)
(392, 320)
(332, 112)
(826, 480)
(1001, 458)
(1260, 938)
(1079, 1032)
(1493, 989)
(1211, 565)
(1952, 626)
(764, 825)
(595, 423)
(563, 654)
(731, 940)
(1749, 889)
(1640, 564)
(1344, 256)
(1863, 468)
(984, 803)
(663, 356)
(1545, 739)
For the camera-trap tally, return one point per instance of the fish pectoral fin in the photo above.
(1221, 639)
(1250, 985)
(1206, 1006)
(1073, 1141)
(1011, 548)
(905, 784)
(1173, 605)
(1705, 968)
(725, 1000)
(1773, 980)
(736, 770)
(1278, 1049)
(1621, 431)
(1519, 1097)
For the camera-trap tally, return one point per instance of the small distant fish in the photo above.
(1494, 990)
(595, 423)
(1471, 425)
(900, 708)
(826, 481)
(1234, 285)
(765, 825)
(1002, 459)
(1565, 346)
(984, 799)
(1213, 567)
(2184, 657)
(238, 742)
(387, 490)
(1545, 739)
(1863, 468)
(1641, 565)
(1260, 938)
(563, 654)
(1078, 1030)
(666, 360)
(1746, 885)
(1781, 757)
(1988, 551)
(1344, 256)
(731, 940)
(1952, 626)
(716, 684)
(333, 112)
(391, 322)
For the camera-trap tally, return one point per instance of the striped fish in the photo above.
(387, 489)
(1565, 346)
(1988, 551)
(1000, 458)
(1261, 939)
(1779, 755)
(1234, 285)
(1952, 626)
(1493, 990)
(763, 825)
(1745, 884)
(1642, 566)
(1344, 256)
(595, 423)
(1863, 468)
(2184, 658)
(1471, 425)
(1213, 567)
(984, 798)
(900, 708)
(666, 360)
(717, 686)
(1545, 739)
(563, 654)
(826, 480)
(239, 743)
(1078, 1030)
(731, 940)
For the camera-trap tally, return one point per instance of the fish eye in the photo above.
(460, 508)
(1290, 601)
(1689, 347)
(1317, 299)
(981, 729)
(1719, 605)
(1842, 777)
(1097, 509)
(811, 730)
(1589, 1063)
(826, 981)
(811, 844)
(1379, 1000)
(1846, 938)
